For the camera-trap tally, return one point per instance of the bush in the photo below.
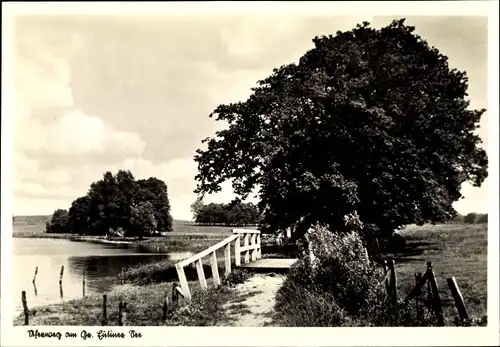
(334, 285)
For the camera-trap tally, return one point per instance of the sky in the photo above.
(95, 94)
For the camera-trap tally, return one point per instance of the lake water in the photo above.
(98, 261)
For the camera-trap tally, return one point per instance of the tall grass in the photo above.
(333, 285)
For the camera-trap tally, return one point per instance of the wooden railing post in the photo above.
(245, 243)
(237, 246)
(459, 300)
(36, 272)
(253, 242)
(227, 259)
(215, 268)
(183, 281)
(435, 294)
(259, 250)
(201, 274)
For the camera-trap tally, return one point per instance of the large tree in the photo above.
(59, 222)
(121, 202)
(373, 122)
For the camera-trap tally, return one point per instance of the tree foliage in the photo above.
(139, 207)
(59, 223)
(237, 214)
(372, 121)
(470, 218)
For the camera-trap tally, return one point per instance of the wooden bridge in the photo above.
(250, 251)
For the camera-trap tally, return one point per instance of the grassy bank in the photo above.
(455, 250)
(144, 305)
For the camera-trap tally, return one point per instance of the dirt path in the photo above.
(254, 301)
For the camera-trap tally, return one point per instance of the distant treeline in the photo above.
(240, 214)
(470, 218)
(117, 205)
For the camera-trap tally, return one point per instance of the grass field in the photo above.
(454, 250)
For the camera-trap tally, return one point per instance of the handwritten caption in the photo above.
(84, 334)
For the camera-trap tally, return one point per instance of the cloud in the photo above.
(89, 101)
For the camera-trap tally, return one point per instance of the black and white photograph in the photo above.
(266, 169)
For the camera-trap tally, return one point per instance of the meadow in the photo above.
(454, 249)
(458, 250)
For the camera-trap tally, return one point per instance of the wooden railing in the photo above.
(251, 249)
(251, 245)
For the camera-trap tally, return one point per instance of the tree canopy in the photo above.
(370, 122)
(237, 214)
(138, 207)
(58, 224)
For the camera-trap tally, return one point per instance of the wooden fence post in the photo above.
(175, 295)
(418, 296)
(435, 294)
(122, 313)
(34, 287)
(459, 300)
(25, 308)
(429, 294)
(393, 283)
(387, 279)
(36, 272)
(104, 311)
(61, 274)
(61, 292)
(121, 276)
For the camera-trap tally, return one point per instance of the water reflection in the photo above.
(86, 268)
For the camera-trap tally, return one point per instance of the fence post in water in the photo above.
(34, 277)
(83, 285)
(459, 300)
(393, 283)
(104, 313)
(435, 294)
(418, 296)
(61, 275)
(25, 308)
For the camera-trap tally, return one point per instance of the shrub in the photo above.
(236, 277)
(334, 285)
